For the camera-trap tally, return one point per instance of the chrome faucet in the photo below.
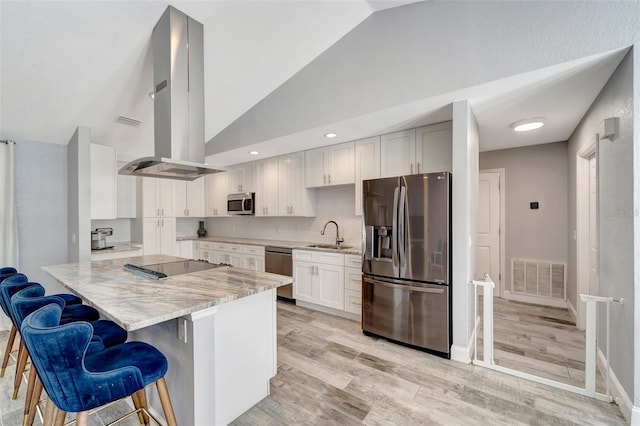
(338, 238)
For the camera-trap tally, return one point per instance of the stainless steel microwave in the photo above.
(242, 203)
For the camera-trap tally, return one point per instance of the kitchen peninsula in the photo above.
(216, 327)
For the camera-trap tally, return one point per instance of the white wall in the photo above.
(121, 229)
(616, 214)
(79, 195)
(533, 173)
(464, 225)
(41, 202)
(335, 203)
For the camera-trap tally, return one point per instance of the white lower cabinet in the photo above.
(185, 249)
(353, 284)
(159, 235)
(318, 277)
(237, 255)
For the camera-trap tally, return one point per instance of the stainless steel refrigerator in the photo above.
(406, 287)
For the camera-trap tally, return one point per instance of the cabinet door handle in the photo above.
(418, 165)
(324, 179)
(411, 166)
(157, 212)
(162, 222)
(329, 179)
(158, 223)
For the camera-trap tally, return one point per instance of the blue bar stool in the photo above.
(28, 300)
(77, 381)
(9, 274)
(10, 287)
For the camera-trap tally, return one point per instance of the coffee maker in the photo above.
(99, 238)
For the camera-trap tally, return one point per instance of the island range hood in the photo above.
(178, 77)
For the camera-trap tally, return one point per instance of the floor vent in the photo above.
(539, 278)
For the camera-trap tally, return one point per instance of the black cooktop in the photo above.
(168, 269)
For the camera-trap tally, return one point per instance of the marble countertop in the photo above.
(119, 247)
(134, 302)
(357, 250)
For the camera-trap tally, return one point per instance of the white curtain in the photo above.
(8, 218)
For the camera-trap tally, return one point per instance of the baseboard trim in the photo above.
(535, 300)
(462, 354)
(630, 413)
(572, 311)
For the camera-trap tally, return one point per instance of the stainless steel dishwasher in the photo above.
(278, 260)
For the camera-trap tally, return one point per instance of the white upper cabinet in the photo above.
(423, 150)
(188, 197)
(294, 198)
(103, 181)
(157, 197)
(433, 148)
(126, 195)
(367, 165)
(332, 165)
(216, 191)
(398, 153)
(241, 178)
(266, 177)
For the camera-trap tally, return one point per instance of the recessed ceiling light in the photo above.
(254, 152)
(528, 124)
(330, 135)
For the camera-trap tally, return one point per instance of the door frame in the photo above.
(502, 191)
(582, 228)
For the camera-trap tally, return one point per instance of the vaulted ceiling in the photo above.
(279, 74)
(71, 63)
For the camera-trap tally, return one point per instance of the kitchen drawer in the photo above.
(206, 245)
(353, 260)
(353, 279)
(254, 250)
(329, 258)
(221, 246)
(353, 301)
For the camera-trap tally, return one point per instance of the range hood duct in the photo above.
(178, 77)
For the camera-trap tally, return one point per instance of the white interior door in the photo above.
(593, 236)
(488, 255)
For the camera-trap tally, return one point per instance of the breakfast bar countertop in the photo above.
(134, 302)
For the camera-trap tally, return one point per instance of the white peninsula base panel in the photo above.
(225, 365)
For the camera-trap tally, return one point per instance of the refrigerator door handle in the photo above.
(394, 235)
(402, 231)
(411, 288)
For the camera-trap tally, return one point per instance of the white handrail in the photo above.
(590, 339)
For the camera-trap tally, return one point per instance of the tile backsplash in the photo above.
(336, 203)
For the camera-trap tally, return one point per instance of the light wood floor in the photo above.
(330, 373)
(539, 340)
